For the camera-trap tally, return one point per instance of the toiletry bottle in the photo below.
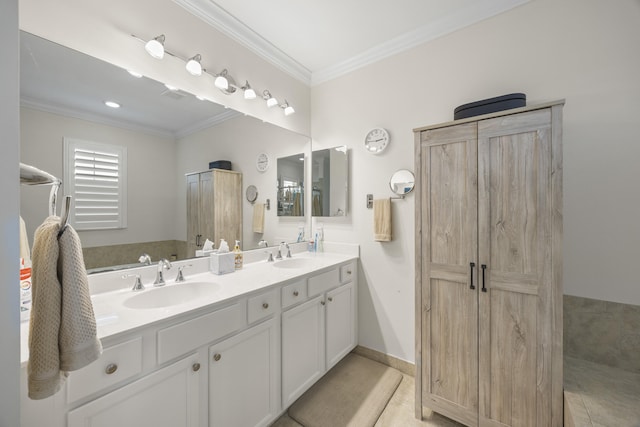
(238, 255)
(25, 289)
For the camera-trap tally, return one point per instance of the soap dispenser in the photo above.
(238, 255)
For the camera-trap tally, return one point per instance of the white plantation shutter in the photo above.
(96, 179)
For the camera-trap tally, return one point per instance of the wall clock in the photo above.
(376, 140)
(262, 162)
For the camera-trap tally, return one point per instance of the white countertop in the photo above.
(114, 318)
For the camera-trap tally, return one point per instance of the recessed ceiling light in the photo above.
(111, 104)
(134, 73)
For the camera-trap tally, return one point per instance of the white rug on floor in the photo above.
(353, 393)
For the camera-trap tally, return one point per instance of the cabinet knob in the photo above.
(217, 357)
(195, 367)
(111, 368)
(348, 271)
(322, 302)
(330, 299)
(295, 293)
(265, 305)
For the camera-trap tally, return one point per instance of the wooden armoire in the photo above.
(214, 208)
(489, 268)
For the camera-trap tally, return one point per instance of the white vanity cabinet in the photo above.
(168, 397)
(239, 362)
(244, 378)
(319, 332)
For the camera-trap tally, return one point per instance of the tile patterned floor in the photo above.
(398, 412)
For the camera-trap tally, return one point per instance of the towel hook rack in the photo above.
(370, 199)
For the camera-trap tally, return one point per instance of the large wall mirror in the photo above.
(330, 181)
(167, 133)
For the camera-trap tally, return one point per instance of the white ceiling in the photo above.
(319, 40)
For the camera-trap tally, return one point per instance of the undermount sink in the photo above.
(293, 263)
(170, 295)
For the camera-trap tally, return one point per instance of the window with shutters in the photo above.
(95, 176)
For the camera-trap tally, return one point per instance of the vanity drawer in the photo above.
(185, 337)
(116, 364)
(347, 272)
(294, 293)
(323, 282)
(263, 305)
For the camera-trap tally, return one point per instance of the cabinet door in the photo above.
(340, 321)
(193, 212)
(515, 229)
(449, 314)
(227, 204)
(243, 378)
(207, 209)
(168, 397)
(302, 348)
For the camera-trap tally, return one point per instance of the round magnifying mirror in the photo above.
(252, 193)
(402, 182)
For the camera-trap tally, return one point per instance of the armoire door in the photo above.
(448, 262)
(514, 217)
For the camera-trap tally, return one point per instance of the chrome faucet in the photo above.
(279, 255)
(145, 259)
(162, 264)
(270, 258)
(263, 244)
(137, 286)
(286, 245)
(180, 276)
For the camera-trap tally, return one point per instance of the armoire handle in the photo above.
(471, 267)
(484, 267)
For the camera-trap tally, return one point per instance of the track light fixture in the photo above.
(249, 93)
(271, 101)
(223, 81)
(194, 67)
(288, 109)
(155, 47)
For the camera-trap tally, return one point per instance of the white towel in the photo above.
(62, 332)
(258, 217)
(382, 220)
(25, 251)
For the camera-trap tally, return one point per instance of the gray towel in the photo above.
(62, 332)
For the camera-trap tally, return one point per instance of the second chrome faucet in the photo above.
(162, 264)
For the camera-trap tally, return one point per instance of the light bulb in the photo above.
(288, 110)
(221, 82)
(249, 93)
(111, 104)
(271, 102)
(193, 65)
(155, 47)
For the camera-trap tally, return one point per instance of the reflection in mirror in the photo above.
(291, 185)
(402, 182)
(329, 176)
(167, 133)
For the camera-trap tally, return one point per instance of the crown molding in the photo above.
(220, 19)
(228, 25)
(60, 110)
(448, 24)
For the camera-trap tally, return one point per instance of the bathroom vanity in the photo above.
(230, 350)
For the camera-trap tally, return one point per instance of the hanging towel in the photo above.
(62, 332)
(258, 217)
(25, 251)
(382, 220)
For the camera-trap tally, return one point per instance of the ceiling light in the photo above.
(221, 81)
(288, 109)
(271, 101)
(249, 93)
(171, 88)
(155, 47)
(111, 104)
(134, 73)
(193, 65)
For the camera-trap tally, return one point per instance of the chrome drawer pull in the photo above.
(295, 293)
(265, 305)
(217, 357)
(111, 368)
(195, 367)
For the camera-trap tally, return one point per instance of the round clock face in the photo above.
(376, 140)
(262, 162)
